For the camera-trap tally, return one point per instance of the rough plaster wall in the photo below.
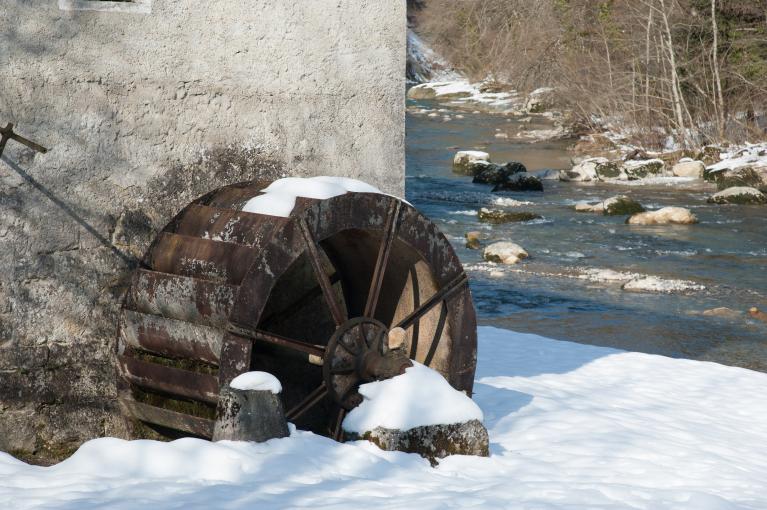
(143, 113)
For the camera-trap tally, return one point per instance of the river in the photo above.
(551, 294)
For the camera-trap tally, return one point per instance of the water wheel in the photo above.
(223, 291)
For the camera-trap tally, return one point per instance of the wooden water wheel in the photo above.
(223, 292)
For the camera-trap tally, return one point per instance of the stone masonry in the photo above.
(146, 105)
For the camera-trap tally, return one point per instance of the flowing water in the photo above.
(548, 293)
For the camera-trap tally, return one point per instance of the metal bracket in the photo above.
(6, 133)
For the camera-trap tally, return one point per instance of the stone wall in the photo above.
(144, 106)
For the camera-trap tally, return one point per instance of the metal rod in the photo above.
(322, 278)
(7, 133)
(272, 338)
(303, 406)
(441, 295)
(392, 222)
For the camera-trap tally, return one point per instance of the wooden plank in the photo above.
(177, 421)
(173, 381)
(201, 258)
(171, 337)
(181, 298)
(228, 226)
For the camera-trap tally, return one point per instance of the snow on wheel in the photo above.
(312, 294)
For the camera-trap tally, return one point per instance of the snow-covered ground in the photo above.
(571, 427)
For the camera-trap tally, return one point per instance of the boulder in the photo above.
(249, 415)
(540, 100)
(500, 216)
(588, 207)
(584, 171)
(432, 441)
(621, 205)
(665, 216)
(504, 252)
(757, 314)
(609, 170)
(470, 162)
(473, 240)
(738, 195)
(520, 182)
(640, 169)
(748, 176)
(723, 312)
(547, 175)
(614, 206)
(496, 174)
(709, 154)
(689, 169)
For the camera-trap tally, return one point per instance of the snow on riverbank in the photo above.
(571, 427)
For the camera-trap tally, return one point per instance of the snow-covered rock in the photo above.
(585, 171)
(419, 397)
(418, 412)
(539, 100)
(441, 90)
(466, 161)
(641, 168)
(745, 176)
(664, 216)
(504, 252)
(545, 135)
(738, 195)
(689, 169)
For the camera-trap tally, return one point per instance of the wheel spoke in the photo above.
(315, 396)
(283, 341)
(392, 223)
(338, 430)
(322, 278)
(444, 293)
(437, 335)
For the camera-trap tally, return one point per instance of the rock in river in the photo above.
(501, 216)
(496, 174)
(470, 162)
(504, 252)
(665, 216)
(689, 169)
(473, 240)
(639, 169)
(520, 182)
(614, 206)
(738, 195)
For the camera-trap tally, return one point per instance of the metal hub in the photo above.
(359, 352)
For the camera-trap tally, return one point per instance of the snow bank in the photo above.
(751, 155)
(571, 427)
(417, 398)
(279, 198)
(257, 381)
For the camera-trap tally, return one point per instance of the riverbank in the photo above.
(571, 286)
